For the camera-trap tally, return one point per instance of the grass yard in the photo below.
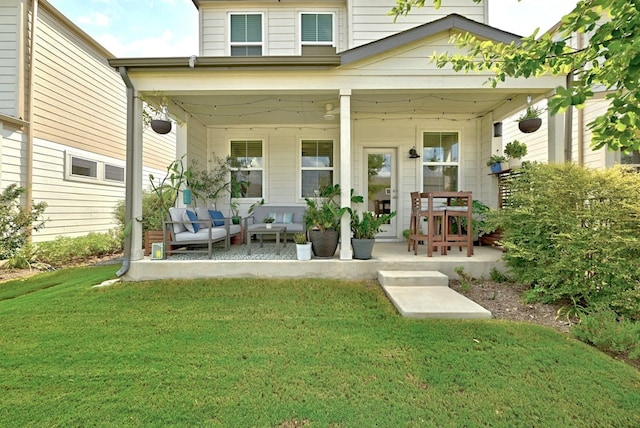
(252, 352)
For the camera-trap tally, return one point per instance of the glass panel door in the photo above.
(380, 195)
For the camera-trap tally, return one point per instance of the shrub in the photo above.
(607, 332)
(152, 212)
(65, 250)
(17, 221)
(571, 233)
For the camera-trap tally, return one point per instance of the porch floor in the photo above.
(264, 263)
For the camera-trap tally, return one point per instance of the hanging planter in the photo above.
(161, 126)
(530, 125)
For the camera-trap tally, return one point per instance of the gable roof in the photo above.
(449, 22)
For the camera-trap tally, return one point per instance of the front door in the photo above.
(380, 192)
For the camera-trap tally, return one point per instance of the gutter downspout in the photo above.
(568, 125)
(29, 112)
(128, 199)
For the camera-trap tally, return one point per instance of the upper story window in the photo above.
(248, 165)
(440, 161)
(316, 28)
(246, 34)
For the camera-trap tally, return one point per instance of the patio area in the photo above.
(265, 263)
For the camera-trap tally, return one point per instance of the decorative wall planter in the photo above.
(530, 125)
(161, 126)
(362, 248)
(324, 243)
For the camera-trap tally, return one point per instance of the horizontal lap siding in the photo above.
(370, 19)
(9, 54)
(11, 155)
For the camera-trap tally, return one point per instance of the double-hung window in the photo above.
(317, 163)
(246, 34)
(316, 29)
(440, 161)
(247, 169)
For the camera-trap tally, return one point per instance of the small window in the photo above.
(246, 35)
(247, 171)
(317, 166)
(113, 173)
(440, 161)
(84, 168)
(316, 28)
(632, 160)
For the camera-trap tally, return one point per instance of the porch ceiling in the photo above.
(295, 108)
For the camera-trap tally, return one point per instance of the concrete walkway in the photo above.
(426, 294)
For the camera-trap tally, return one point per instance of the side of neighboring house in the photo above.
(63, 121)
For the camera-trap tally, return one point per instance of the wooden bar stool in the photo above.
(436, 222)
(461, 209)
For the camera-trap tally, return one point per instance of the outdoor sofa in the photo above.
(291, 216)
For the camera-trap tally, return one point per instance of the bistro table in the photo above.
(259, 232)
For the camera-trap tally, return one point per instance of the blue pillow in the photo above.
(217, 215)
(287, 217)
(191, 221)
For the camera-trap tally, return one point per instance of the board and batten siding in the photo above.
(9, 56)
(281, 24)
(370, 19)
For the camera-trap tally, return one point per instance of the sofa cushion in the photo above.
(190, 221)
(217, 217)
(287, 218)
(176, 219)
(217, 234)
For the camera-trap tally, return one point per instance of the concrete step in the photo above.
(399, 278)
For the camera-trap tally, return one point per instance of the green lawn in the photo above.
(252, 352)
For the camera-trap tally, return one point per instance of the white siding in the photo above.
(537, 142)
(370, 20)
(280, 24)
(11, 156)
(9, 54)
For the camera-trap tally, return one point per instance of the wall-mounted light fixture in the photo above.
(413, 154)
(497, 129)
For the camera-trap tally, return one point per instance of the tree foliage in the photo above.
(609, 61)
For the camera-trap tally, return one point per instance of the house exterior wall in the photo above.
(10, 17)
(357, 22)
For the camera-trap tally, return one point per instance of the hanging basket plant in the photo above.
(530, 120)
(155, 113)
(161, 126)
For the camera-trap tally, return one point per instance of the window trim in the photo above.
(231, 44)
(250, 168)
(301, 168)
(317, 43)
(100, 177)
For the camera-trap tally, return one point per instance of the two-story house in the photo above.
(63, 121)
(307, 93)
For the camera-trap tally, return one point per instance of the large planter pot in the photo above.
(303, 251)
(362, 248)
(161, 126)
(324, 243)
(530, 125)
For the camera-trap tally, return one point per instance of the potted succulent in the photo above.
(495, 163)
(322, 219)
(303, 247)
(268, 222)
(364, 228)
(530, 120)
(515, 151)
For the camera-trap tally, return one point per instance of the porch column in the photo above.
(345, 173)
(181, 149)
(556, 138)
(135, 184)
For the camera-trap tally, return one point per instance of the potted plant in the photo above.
(364, 228)
(530, 120)
(495, 163)
(155, 113)
(268, 222)
(322, 219)
(303, 247)
(515, 151)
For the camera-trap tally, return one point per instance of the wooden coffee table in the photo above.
(259, 232)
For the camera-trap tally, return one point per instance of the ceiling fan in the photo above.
(330, 112)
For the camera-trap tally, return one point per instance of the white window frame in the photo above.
(231, 43)
(427, 163)
(262, 169)
(324, 168)
(100, 170)
(316, 43)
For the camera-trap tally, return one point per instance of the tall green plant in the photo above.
(324, 212)
(17, 221)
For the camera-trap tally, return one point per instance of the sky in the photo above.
(169, 28)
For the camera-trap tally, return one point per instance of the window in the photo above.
(317, 166)
(248, 164)
(84, 168)
(316, 28)
(632, 160)
(440, 161)
(79, 168)
(246, 35)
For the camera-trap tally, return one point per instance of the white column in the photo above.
(345, 173)
(182, 150)
(137, 252)
(556, 137)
